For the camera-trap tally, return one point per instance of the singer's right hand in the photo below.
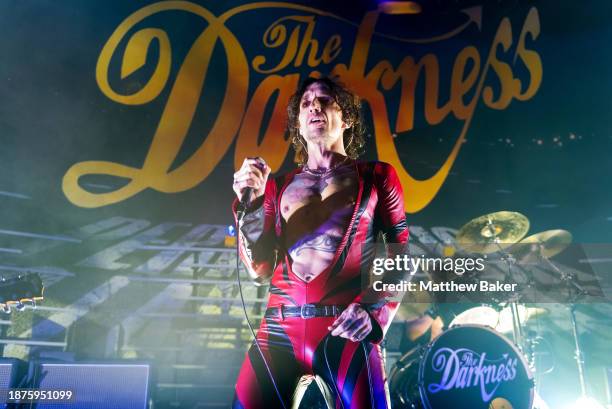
(253, 173)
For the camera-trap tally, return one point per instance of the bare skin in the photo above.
(317, 210)
(318, 203)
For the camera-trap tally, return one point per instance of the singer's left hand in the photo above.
(354, 323)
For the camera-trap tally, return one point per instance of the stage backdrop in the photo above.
(122, 123)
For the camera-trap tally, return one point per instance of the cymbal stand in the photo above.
(517, 327)
(579, 356)
(574, 290)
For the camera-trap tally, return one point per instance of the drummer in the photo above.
(420, 331)
(435, 320)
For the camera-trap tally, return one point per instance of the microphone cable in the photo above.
(367, 360)
(240, 214)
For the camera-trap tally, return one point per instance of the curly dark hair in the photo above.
(350, 105)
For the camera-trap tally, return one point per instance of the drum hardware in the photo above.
(579, 355)
(532, 343)
(498, 233)
(556, 241)
(492, 233)
(517, 327)
(585, 401)
(575, 290)
(487, 234)
(541, 245)
(504, 323)
(468, 366)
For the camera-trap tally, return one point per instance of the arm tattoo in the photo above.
(324, 242)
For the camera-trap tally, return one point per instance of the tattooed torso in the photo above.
(316, 211)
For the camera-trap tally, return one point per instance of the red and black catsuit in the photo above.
(293, 346)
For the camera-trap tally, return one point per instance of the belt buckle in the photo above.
(308, 311)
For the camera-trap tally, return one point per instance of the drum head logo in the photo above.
(474, 367)
(463, 368)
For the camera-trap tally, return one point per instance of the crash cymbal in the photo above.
(549, 243)
(492, 232)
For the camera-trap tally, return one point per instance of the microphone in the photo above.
(245, 201)
(245, 197)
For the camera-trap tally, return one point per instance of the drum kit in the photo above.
(481, 358)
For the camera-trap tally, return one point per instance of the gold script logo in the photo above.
(293, 44)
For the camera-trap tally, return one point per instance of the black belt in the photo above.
(305, 311)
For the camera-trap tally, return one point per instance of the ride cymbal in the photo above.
(492, 232)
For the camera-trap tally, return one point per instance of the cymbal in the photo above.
(492, 232)
(549, 243)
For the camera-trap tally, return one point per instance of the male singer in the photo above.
(308, 233)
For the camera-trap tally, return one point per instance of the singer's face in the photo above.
(320, 116)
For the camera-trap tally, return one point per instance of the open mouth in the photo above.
(317, 121)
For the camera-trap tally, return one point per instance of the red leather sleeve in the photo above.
(391, 215)
(257, 236)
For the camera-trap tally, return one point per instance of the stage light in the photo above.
(230, 236)
(399, 7)
(448, 250)
(586, 402)
(538, 402)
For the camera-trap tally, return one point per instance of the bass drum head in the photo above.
(481, 315)
(474, 367)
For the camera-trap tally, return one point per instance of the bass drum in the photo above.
(466, 367)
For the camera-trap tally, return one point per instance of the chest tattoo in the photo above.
(325, 242)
